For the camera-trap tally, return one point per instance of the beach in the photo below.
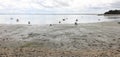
(61, 40)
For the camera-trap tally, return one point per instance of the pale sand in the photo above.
(68, 37)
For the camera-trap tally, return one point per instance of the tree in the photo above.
(113, 12)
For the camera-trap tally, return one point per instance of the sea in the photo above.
(56, 19)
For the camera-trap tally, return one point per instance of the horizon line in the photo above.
(48, 14)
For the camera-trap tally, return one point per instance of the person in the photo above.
(17, 20)
(50, 24)
(76, 23)
(28, 22)
(11, 18)
(63, 19)
(98, 19)
(59, 22)
(76, 20)
(66, 19)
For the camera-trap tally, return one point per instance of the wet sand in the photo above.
(61, 40)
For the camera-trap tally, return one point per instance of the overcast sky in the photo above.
(58, 6)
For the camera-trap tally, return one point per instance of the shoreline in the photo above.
(108, 14)
(92, 39)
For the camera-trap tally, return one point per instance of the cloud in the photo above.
(54, 3)
(33, 4)
(37, 6)
(115, 4)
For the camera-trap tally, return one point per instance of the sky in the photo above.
(58, 6)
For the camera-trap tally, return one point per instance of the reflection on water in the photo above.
(54, 19)
(113, 17)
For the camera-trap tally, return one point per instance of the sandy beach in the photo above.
(61, 40)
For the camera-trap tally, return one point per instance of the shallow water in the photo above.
(54, 19)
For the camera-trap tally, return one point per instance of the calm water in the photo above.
(54, 19)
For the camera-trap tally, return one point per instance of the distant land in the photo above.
(113, 12)
(47, 14)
